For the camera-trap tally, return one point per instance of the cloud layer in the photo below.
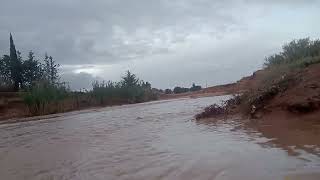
(166, 42)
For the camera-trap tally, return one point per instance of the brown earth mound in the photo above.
(296, 94)
(302, 98)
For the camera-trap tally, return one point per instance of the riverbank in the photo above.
(13, 107)
(293, 95)
(45, 97)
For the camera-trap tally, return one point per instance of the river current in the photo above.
(152, 141)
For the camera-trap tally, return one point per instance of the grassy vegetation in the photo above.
(281, 72)
(46, 98)
(43, 93)
(120, 92)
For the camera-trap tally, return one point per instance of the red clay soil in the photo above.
(299, 103)
(252, 81)
(301, 100)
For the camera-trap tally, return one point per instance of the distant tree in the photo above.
(158, 91)
(146, 85)
(129, 80)
(50, 70)
(315, 48)
(178, 90)
(168, 91)
(130, 89)
(31, 70)
(5, 71)
(195, 88)
(17, 73)
(15, 65)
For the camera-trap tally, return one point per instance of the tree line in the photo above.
(17, 73)
(44, 93)
(130, 88)
(178, 89)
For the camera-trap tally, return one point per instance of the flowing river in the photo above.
(155, 140)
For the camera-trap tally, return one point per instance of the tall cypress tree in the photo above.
(13, 52)
(15, 65)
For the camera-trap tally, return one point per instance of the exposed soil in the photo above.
(296, 94)
(300, 101)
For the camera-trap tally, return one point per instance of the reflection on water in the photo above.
(295, 137)
(156, 140)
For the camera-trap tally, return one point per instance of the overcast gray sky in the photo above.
(165, 42)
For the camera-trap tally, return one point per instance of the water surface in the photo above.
(155, 140)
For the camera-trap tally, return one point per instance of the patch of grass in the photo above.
(304, 62)
(45, 98)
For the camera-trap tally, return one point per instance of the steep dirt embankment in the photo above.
(301, 100)
(268, 94)
(250, 82)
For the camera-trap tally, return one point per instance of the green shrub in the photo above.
(304, 62)
(296, 51)
(129, 90)
(45, 98)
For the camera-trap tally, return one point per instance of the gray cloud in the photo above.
(107, 30)
(106, 37)
(79, 81)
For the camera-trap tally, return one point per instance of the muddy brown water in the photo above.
(155, 140)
